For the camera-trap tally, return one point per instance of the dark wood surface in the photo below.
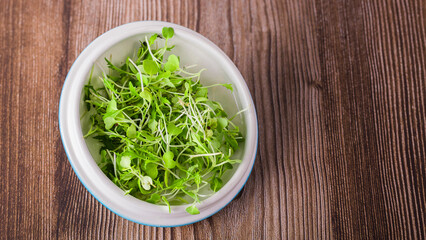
(340, 92)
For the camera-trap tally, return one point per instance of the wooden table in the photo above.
(340, 92)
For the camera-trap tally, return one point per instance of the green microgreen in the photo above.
(164, 141)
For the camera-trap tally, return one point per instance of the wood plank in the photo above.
(339, 89)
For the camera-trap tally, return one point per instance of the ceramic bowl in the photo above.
(192, 48)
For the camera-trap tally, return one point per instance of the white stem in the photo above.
(139, 71)
(203, 155)
(149, 49)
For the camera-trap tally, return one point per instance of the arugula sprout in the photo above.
(163, 139)
(168, 32)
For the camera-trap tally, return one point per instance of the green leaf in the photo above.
(222, 123)
(187, 86)
(197, 179)
(133, 183)
(215, 143)
(164, 100)
(125, 162)
(131, 131)
(165, 74)
(201, 99)
(154, 198)
(108, 142)
(193, 210)
(167, 82)
(228, 86)
(152, 39)
(227, 166)
(113, 67)
(111, 115)
(209, 133)
(168, 32)
(152, 124)
(147, 136)
(198, 149)
(213, 123)
(166, 178)
(201, 92)
(150, 67)
(126, 176)
(146, 94)
(178, 183)
(109, 85)
(176, 81)
(172, 63)
(167, 203)
(191, 194)
(216, 184)
(109, 122)
(232, 142)
(133, 89)
(132, 68)
(145, 80)
(173, 130)
(168, 160)
(175, 100)
(195, 138)
(112, 106)
(192, 168)
(151, 170)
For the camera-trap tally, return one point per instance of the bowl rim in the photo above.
(70, 143)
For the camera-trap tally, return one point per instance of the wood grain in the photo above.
(339, 88)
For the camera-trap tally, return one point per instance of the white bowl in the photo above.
(192, 49)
